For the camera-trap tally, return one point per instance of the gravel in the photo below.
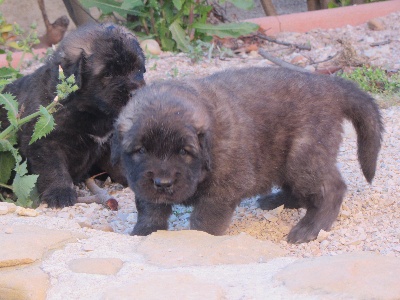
(370, 214)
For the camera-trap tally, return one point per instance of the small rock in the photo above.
(27, 212)
(84, 222)
(322, 235)
(151, 46)
(345, 213)
(3, 210)
(299, 60)
(254, 54)
(11, 207)
(310, 68)
(376, 25)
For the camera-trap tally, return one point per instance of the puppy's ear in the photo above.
(75, 68)
(205, 145)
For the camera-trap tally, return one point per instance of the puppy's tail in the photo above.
(361, 109)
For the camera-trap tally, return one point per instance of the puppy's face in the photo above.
(164, 151)
(108, 65)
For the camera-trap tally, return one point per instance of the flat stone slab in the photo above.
(167, 286)
(27, 244)
(197, 248)
(23, 283)
(102, 266)
(348, 276)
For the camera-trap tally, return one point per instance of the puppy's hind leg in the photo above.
(323, 207)
(284, 197)
(151, 217)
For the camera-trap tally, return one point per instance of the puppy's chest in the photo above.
(100, 139)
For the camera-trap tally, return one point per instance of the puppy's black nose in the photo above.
(163, 182)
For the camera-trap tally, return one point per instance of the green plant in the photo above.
(338, 3)
(23, 184)
(375, 80)
(199, 49)
(173, 23)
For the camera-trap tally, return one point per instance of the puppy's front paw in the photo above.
(142, 229)
(303, 233)
(59, 197)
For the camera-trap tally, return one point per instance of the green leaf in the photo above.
(43, 126)
(8, 73)
(11, 105)
(129, 4)
(22, 187)
(110, 6)
(21, 169)
(6, 146)
(243, 4)
(179, 36)
(7, 163)
(227, 30)
(178, 3)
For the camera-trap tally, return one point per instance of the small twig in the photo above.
(280, 62)
(100, 195)
(44, 13)
(380, 43)
(272, 40)
(327, 59)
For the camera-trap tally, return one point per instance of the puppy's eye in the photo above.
(141, 150)
(183, 152)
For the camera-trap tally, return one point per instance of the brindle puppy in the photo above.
(214, 141)
(108, 65)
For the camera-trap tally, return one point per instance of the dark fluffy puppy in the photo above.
(108, 65)
(214, 141)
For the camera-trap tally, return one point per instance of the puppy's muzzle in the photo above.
(162, 183)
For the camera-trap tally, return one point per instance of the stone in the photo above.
(27, 212)
(28, 244)
(151, 46)
(84, 221)
(322, 235)
(102, 266)
(11, 206)
(376, 25)
(3, 210)
(167, 286)
(198, 248)
(23, 283)
(361, 275)
(299, 60)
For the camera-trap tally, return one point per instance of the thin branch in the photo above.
(280, 62)
(272, 40)
(327, 59)
(44, 14)
(380, 43)
(101, 196)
